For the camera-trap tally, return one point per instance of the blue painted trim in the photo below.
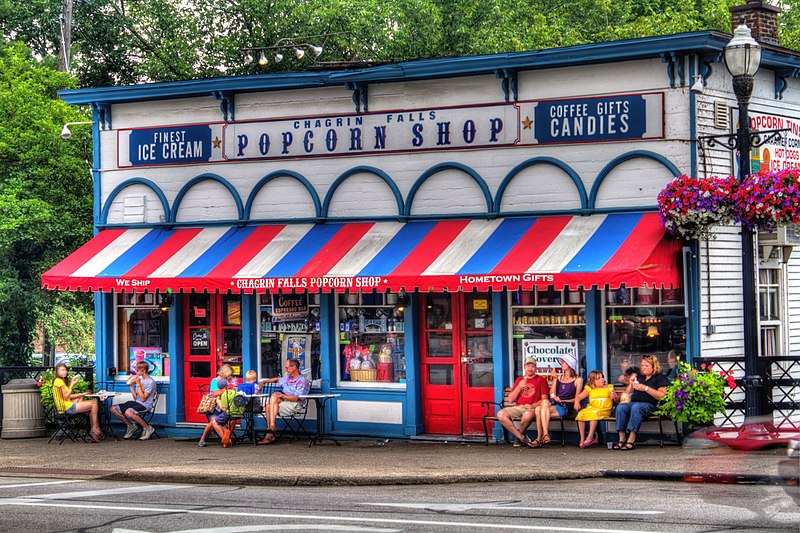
(595, 351)
(227, 104)
(282, 174)
(175, 394)
(692, 124)
(104, 317)
(705, 42)
(669, 59)
(251, 333)
(692, 305)
(203, 177)
(568, 170)
(501, 341)
(357, 170)
(329, 343)
(127, 183)
(780, 80)
(646, 154)
(448, 166)
(96, 176)
(412, 410)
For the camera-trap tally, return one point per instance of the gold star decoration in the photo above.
(217, 142)
(526, 124)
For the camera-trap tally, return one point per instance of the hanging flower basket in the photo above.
(767, 200)
(690, 207)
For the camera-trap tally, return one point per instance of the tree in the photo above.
(45, 193)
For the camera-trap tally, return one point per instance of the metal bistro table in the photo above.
(320, 400)
(249, 417)
(105, 410)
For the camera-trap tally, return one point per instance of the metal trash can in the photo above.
(23, 416)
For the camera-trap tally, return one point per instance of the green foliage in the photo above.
(45, 193)
(695, 397)
(69, 325)
(46, 387)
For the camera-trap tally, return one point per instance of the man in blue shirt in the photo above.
(287, 402)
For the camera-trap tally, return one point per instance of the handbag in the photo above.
(208, 404)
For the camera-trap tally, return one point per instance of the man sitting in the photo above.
(529, 392)
(142, 389)
(287, 402)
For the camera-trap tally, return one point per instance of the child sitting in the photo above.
(223, 422)
(250, 387)
(601, 400)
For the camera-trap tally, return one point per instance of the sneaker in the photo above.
(129, 433)
(517, 443)
(226, 438)
(149, 430)
(202, 444)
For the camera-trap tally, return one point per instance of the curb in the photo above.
(706, 477)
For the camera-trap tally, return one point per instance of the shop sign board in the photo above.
(778, 154)
(289, 307)
(479, 126)
(548, 351)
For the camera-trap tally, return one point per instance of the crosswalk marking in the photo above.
(105, 492)
(61, 482)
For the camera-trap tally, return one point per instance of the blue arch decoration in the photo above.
(282, 174)
(568, 170)
(206, 177)
(611, 165)
(357, 170)
(447, 166)
(127, 183)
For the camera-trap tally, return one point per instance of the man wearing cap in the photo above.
(528, 393)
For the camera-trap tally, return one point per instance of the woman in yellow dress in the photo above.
(601, 401)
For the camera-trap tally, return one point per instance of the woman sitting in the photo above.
(563, 391)
(63, 396)
(645, 390)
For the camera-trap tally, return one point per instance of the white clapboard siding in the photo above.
(793, 303)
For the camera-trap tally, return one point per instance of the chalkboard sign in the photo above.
(201, 341)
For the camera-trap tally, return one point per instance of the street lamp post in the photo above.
(742, 58)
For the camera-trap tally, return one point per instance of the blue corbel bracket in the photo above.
(508, 83)
(675, 67)
(360, 94)
(226, 104)
(780, 80)
(102, 112)
(704, 68)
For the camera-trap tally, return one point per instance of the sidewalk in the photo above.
(365, 462)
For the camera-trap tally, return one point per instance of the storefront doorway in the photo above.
(456, 362)
(213, 337)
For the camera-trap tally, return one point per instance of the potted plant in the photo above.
(696, 396)
(767, 200)
(690, 207)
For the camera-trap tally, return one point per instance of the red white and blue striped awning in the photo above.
(561, 251)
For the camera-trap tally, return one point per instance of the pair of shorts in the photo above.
(562, 409)
(288, 408)
(136, 406)
(222, 418)
(73, 409)
(517, 410)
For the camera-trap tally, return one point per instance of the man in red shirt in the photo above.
(528, 392)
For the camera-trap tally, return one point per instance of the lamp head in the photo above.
(742, 53)
(299, 53)
(65, 133)
(278, 57)
(698, 87)
(316, 50)
(262, 60)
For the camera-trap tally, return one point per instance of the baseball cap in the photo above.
(530, 361)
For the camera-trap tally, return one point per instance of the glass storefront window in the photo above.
(289, 327)
(372, 339)
(547, 321)
(643, 322)
(142, 333)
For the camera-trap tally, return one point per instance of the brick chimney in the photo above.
(761, 18)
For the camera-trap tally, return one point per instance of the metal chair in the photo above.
(72, 427)
(294, 423)
(148, 415)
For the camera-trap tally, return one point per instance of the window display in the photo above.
(643, 322)
(289, 328)
(546, 323)
(142, 333)
(372, 338)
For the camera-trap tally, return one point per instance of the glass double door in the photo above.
(456, 364)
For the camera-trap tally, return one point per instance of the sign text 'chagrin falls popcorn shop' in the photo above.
(580, 120)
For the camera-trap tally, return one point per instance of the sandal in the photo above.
(628, 446)
(618, 446)
(534, 443)
(545, 440)
(590, 442)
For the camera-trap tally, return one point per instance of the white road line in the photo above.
(42, 483)
(272, 527)
(458, 507)
(106, 492)
(23, 502)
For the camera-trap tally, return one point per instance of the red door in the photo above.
(456, 362)
(213, 337)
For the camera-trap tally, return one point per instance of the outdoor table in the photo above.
(320, 400)
(105, 410)
(248, 417)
